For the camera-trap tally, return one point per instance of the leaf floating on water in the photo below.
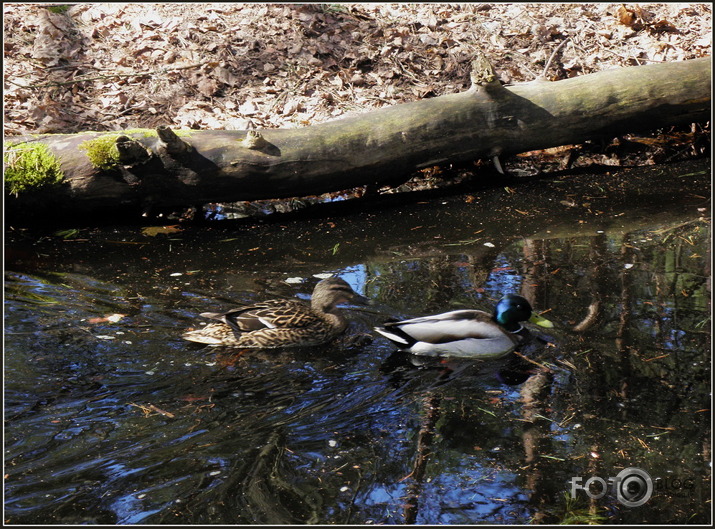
(153, 231)
(113, 318)
(38, 299)
(67, 234)
(461, 243)
(294, 280)
(501, 268)
(552, 457)
(152, 408)
(487, 411)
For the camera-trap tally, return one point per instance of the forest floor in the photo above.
(102, 66)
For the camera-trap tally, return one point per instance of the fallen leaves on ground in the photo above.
(103, 66)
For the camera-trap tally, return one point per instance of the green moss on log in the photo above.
(103, 153)
(30, 166)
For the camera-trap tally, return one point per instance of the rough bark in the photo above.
(158, 168)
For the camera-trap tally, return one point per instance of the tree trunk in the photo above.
(130, 171)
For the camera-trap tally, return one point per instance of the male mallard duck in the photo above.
(281, 323)
(466, 333)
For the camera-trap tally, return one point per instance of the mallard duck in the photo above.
(466, 333)
(281, 323)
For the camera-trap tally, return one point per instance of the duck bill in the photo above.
(540, 321)
(361, 300)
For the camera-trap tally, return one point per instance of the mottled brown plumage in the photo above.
(281, 323)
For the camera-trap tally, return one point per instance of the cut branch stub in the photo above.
(173, 145)
(254, 140)
(131, 151)
(482, 73)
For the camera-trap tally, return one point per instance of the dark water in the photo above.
(123, 422)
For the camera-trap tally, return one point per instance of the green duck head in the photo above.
(513, 309)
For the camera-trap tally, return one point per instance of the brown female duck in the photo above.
(281, 323)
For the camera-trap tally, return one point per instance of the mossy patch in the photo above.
(58, 8)
(151, 133)
(103, 152)
(30, 166)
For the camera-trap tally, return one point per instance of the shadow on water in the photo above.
(111, 418)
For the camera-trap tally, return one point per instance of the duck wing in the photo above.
(271, 314)
(442, 328)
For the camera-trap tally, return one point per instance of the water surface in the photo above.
(111, 418)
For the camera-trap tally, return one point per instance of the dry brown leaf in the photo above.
(662, 26)
(626, 16)
(378, 48)
(207, 86)
(153, 231)
(111, 318)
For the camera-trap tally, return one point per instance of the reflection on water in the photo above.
(116, 420)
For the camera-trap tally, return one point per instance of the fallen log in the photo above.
(128, 172)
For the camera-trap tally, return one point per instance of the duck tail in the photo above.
(231, 319)
(220, 316)
(199, 336)
(397, 336)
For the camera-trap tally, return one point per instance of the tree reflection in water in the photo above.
(120, 421)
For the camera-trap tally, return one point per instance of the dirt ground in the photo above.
(99, 66)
